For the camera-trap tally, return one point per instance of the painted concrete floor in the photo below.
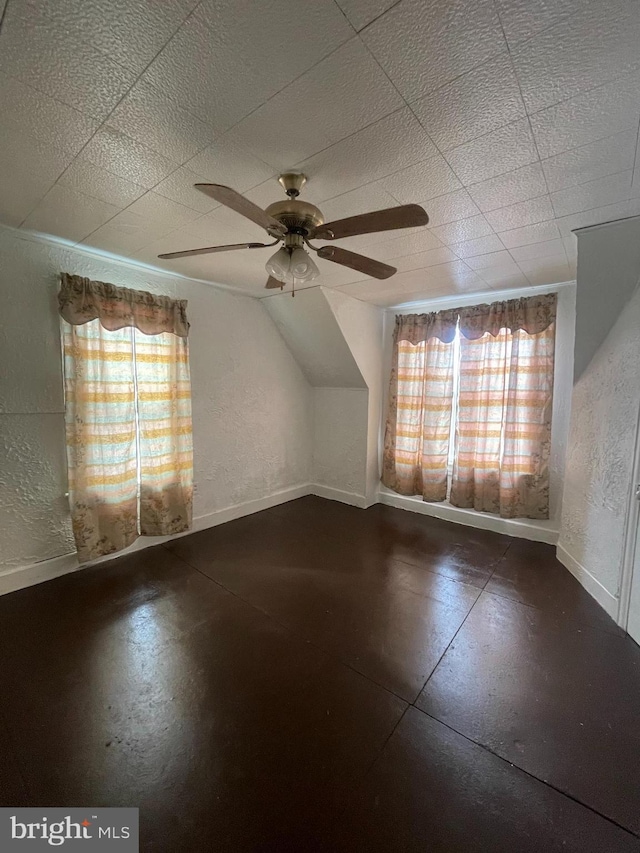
(322, 678)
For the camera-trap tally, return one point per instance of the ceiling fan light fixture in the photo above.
(303, 267)
(279, 264)
(289, 265)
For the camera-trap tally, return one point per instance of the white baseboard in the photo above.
(46, 570)
(521, 528)
(351, 498)
(592, 585)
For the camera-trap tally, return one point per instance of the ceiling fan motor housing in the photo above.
(299, 217)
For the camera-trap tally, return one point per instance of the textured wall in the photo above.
(337, 340)
(604, 415)
(361, 324)
(252, 406)
(340, 438)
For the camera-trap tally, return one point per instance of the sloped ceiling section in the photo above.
(315, 338)
(608, 274)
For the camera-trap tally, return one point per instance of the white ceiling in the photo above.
(512, 122)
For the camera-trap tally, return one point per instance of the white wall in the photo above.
(361, 324)
(608, 271)
(563, 381)
(606, 400)
(338, 342)
(340, 440)
(252, 406)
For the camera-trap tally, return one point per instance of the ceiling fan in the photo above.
(293, 223)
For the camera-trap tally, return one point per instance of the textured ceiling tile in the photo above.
(127, 158)
(598, 193)
(433, 177)
(22, 189)
(595, 160)
(479, 246)
(539, 233)
(422, 260)
(126, 233)
(179, 186)
(480, 101)
(456, 272)
(635, 186)
(546, 271)
(501, 151)
(523, 213)
(586, 118)
(593, 216)
(409, 244)
(151, 118)
(156, 209)
(450, 207)
(549, 249)
(522, 19)
(68, 69)
(591, 47)
(53, 129)
(89, 179)
(363, 200)
(68, 214)
(362, 12)
(423, 45)
(391, 144)
(510, 188)
(226, 162)
(463, 229)
(341, 95)
(229, 58)
(129, 31)
(508, 281)
(492, 260)
(499, 275)
(570, 243)
(202, 232)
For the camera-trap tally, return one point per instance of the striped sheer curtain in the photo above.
(128, 414)
(503, 408)
(416, 444)
(503, 431)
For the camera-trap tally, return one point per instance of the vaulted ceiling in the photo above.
(512, 122)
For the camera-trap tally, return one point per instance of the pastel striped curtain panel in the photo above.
(416, 443)
(128, 415)
(503, 407)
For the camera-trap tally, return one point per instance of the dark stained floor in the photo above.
(317, 677)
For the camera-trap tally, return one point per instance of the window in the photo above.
(470, 407)
(128, 415)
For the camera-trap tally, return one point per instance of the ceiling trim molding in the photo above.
(460, 300)
(60, 242)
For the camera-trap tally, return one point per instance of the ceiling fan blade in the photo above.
(405, 216)
(231, 198)
(273, 282)
(211, 249)
(376, 269)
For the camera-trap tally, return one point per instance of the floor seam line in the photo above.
(291, 632)
(527, 772)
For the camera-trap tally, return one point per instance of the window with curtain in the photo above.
(474, 386)
(127, 413)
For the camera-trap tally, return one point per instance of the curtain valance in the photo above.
(533, 314)
(81, 300)
(418, 328)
